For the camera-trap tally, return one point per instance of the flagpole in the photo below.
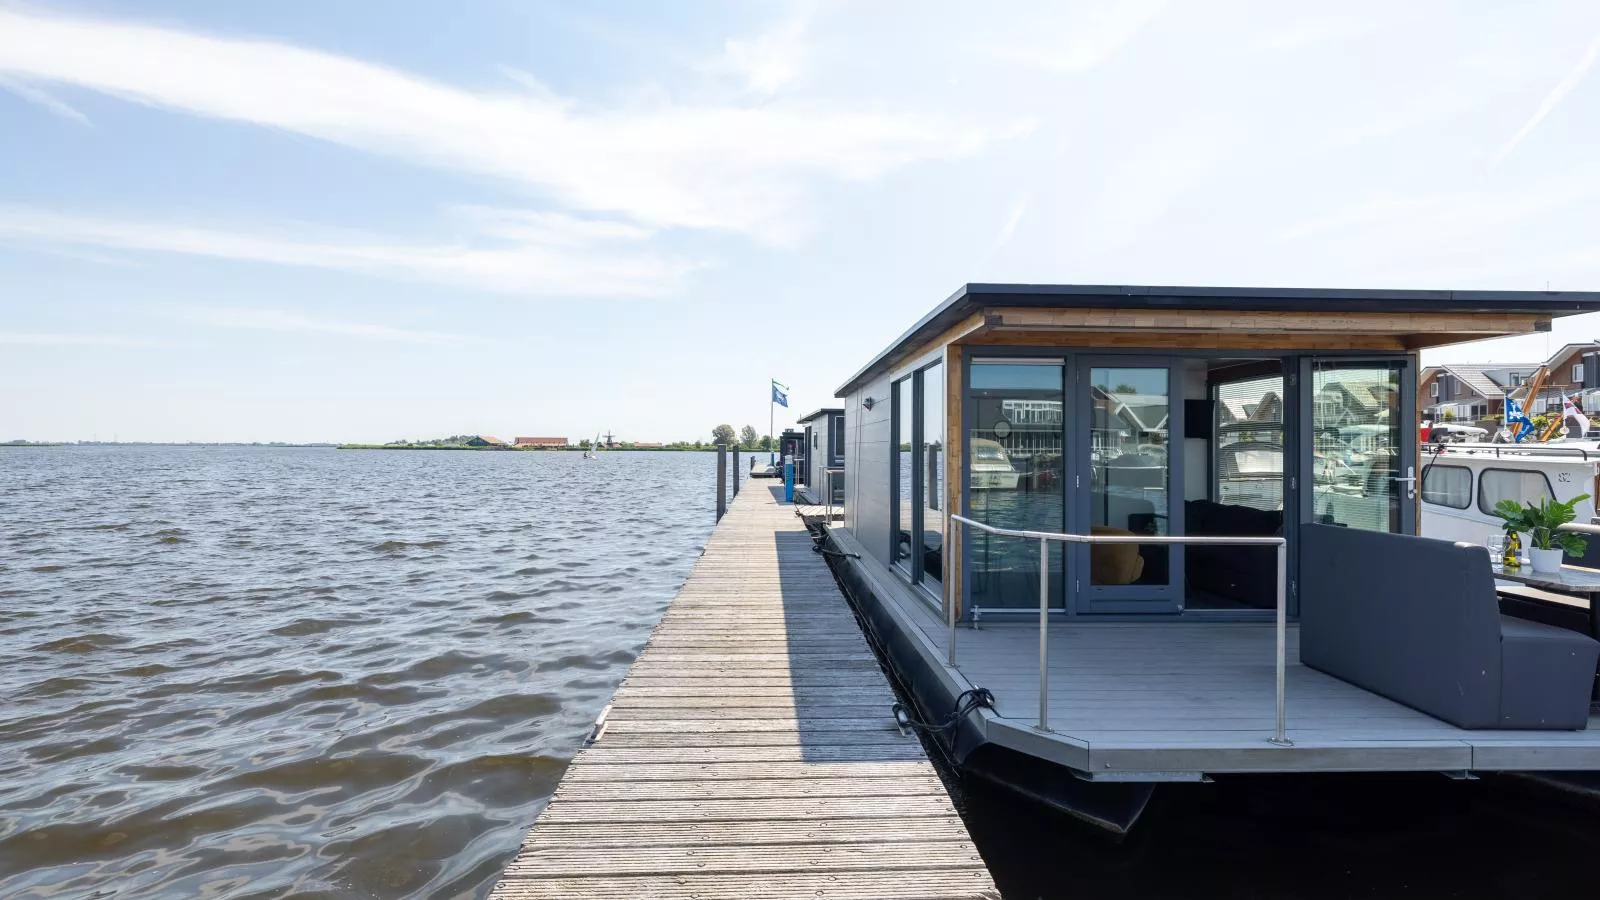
(772, 442)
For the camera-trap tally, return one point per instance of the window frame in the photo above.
(1433, 389)
(1577, 373)
(1471, 485)
(836, 439)
(898, 398)
(1483, 476)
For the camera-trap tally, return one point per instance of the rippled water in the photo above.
(256, 672)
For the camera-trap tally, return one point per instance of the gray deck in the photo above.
(750, 751)
(1183, 698)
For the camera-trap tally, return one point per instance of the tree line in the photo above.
(747, 438)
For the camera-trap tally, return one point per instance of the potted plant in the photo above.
(1541, 522)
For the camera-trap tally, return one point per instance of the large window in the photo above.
(1522, 486)
(1247, 442)
(1447, 486)
(1015, 478)
(930, 444)
(836, 439)
(919, 483)
(902, 467)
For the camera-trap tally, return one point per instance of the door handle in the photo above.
(1410, 481)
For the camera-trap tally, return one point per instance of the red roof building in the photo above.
(541, 442)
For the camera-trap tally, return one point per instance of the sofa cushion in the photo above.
(1114, 563)
(1546, 675)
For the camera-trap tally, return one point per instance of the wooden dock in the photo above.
(751, 752)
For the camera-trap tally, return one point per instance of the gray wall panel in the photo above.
(867, 462)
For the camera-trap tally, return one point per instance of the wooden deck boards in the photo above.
(750, 752)
(1159, 696)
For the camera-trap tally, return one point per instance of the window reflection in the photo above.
(1129, 465)
(1014, 470)
(932, 470)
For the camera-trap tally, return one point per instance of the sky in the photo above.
(365, 221)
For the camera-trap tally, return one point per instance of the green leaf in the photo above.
(1574, 544)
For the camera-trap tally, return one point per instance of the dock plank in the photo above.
(751, 752)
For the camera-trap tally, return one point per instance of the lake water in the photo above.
(256, 672)
(252, 673)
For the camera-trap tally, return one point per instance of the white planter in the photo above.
(1546, 561)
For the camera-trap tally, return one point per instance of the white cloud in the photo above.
(768, 62)
(1079, 40)
(67, 339)
(1553, 99)
(292, 322)
(657, 162)
(1019, 211)
(509, 251)
(42, 99)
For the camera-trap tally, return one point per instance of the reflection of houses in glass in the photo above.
(1023, 428)
(1124, 420)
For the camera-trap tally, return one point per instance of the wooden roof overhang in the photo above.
(1245, 319)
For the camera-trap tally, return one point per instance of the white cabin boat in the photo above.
(1461, 483)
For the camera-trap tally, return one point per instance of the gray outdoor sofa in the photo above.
(1416, 620)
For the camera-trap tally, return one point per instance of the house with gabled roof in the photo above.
(1471, 391)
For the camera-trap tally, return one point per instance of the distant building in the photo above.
(541, 442)
(485, 440)
(1473, 391)
(644, 445)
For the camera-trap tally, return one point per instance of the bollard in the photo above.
(735, 470)
(722, 481)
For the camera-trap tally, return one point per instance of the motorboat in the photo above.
(991, 467)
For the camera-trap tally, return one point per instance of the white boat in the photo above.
(1461, 483)
(991, 468)
(1451, 433)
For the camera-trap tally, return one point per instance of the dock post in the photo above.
(735, 470)
(722, 481)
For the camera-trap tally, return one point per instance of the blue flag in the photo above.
(1517, 421)
(778, 395)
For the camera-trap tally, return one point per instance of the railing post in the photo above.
(1281, 737)
(735, 472)
(1044, 634)
(949, 592)
(722, 480)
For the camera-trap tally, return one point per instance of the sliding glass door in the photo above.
(1128, 412)
(1362, 449)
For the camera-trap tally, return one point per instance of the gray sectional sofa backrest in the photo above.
(1411, 618)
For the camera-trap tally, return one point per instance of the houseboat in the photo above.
(1114, 537)
(820, 469)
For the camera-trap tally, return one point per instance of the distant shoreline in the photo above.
(498, 448)
(161, 444)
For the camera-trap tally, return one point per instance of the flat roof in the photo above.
(974, 297)
(819, 414)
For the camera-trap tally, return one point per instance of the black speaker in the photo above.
(1197, 417)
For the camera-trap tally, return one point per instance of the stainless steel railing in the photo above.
(1280, 737)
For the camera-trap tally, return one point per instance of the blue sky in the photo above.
(365, 221)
